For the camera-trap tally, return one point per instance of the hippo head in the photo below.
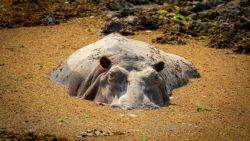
(130, 85)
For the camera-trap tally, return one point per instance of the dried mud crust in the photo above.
(213, 107)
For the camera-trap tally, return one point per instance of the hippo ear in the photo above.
(105, 62)
(159, 66)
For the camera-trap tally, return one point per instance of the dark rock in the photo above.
(116, 5)
(244, 3)
(127, 25)
(30, 136)
(208, 14)
(193, 16)
(112, 26)
(217, 2)
(126, 32)
(50, 20)
(96, 133)
(201, 6)
(139, 2)
(3, 130)
(145, 23)
(242, 46)
(169, 39)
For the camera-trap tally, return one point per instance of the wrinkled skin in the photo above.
(123, 73)
(131, 86)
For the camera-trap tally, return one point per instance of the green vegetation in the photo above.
(202, 38)
(162, 11)
(179, 18)
(210, 30)
(203, 109)
(177, 8)
(144, 139)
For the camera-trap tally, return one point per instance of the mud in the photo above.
(16, 13)
(30, 136)
(223, 24)
(212, 107)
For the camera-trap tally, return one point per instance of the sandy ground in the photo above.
(30, 102)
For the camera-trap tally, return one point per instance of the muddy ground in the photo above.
(212, 107)
(223, 23)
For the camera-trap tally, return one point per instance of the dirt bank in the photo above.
(213, 107)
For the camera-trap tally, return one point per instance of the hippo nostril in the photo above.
(128, 82)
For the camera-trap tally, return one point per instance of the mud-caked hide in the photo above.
(123, 73)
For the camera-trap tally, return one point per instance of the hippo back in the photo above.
(177, 70)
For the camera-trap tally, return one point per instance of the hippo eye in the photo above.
(152, 80)
(156, 77)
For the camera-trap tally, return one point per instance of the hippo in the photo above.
(123, 73)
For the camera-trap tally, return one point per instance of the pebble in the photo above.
(96, 133)
(3, 129)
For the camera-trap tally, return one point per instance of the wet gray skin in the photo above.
(123, 73)
(131, 84)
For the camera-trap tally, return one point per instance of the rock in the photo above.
(112, 14)
(130, 19)
(30, 136)
(169, 39)
(129, 24)
(116, 5)
(90, 134)
(3, 129)
(209, 14)
(89, 131)
(50, 20)
(139, 2)
(145, 23)
(96, 133)
(126, 32)
(193, 16)
(243, 46)
(110, 133)
(201, 6)
(132, 115)
(112, 26)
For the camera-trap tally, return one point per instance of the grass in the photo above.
(203, 109)
(144, 139)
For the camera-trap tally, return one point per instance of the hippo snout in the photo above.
(135, 99)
